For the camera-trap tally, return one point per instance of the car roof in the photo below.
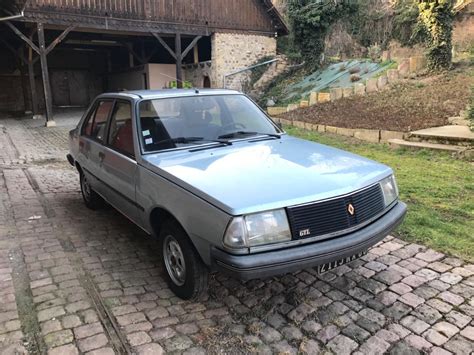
(165, 93)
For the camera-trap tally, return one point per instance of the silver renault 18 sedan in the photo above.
(224, 188)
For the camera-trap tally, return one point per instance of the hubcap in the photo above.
(86, 189)
(174, 260)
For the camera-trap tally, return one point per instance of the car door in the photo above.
(119, 164)
(91, 140)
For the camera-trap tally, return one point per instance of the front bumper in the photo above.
(261, 265)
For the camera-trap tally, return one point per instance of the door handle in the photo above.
(101, 156)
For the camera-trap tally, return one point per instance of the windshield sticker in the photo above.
(146, 133)
(149, 141)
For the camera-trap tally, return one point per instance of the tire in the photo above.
(177, 253)
(91, 198)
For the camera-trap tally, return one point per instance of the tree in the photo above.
(437, 16)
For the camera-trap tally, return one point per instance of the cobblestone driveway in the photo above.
(76, 281)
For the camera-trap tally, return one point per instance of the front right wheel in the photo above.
(186, 274)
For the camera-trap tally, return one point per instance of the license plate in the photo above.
(334, 264)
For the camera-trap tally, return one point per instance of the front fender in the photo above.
(204, 223)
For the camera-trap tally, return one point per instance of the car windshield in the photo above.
(188, 121)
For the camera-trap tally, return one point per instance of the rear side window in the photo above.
(120, 133)
(96, 123)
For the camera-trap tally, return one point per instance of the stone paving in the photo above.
(77, 281)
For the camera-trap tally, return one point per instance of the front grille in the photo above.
(332, 216)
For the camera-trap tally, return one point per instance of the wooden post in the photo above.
(196, 54)
(179, 61)
(178, 54)
(31, 76)
(21, 68)
(45, 75)
(42, 51)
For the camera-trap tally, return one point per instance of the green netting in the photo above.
(336, 75)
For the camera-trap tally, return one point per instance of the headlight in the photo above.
(390, 190)
(258, 229)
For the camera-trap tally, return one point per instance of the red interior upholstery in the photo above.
(124, 138)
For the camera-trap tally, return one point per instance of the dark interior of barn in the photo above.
(82, 65)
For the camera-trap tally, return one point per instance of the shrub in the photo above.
(375, 52)
(354, 70)
(437, 16)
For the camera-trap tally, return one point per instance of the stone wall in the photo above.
(195, 73)
(368, 135)
(234, 51)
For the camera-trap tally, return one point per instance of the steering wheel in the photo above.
(233, 125)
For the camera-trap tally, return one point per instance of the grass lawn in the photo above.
(438, 189)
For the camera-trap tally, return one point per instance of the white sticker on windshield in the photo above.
(146, 133)
(149, 141)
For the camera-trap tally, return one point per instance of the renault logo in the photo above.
(351, 209)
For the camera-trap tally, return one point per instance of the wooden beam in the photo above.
(163, 43)
(191, 45)
(13, 50)
(22, 36)
(196, 54)
(152, 53)
(179, 61)
(31, 77)
(45, 74)
(21, 68)
(132, 52)
(59, 39)
(17, 53)
(32, 33)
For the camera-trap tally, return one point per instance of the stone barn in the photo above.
(61, 53)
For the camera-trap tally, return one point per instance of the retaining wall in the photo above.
(368, 135)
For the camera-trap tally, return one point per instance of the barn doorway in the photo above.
(71, 87)
(206, 83)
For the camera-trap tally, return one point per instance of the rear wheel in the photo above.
(185, 272)
(90, 197)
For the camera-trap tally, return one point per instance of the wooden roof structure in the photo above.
(200, 17)
(156, 18)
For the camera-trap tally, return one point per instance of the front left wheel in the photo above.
(185, 272)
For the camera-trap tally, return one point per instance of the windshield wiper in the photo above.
(184, 140)
(248, 133)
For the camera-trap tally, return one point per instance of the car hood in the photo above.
(252, 176)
